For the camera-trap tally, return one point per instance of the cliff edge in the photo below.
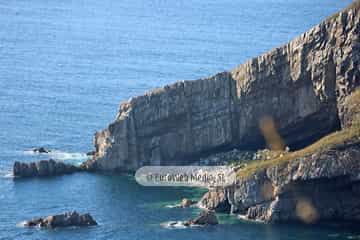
(302, 86)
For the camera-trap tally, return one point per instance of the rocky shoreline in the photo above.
(304, 95)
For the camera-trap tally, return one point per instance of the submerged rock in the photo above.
(91, 153)
(185, 203)
(206, 217)
(67, 219)
(41, 150)
(43, 168)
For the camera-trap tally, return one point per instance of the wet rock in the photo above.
(216, 199)
(89, 166)
(24, 169)
(43, 168)
(41, 150)
(33, 222)
(206, 217)
(185, 203)
(67, 219)
(91, 153)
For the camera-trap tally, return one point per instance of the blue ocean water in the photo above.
(66, 65)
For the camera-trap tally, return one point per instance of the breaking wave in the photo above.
(6, 174)
(61, 155)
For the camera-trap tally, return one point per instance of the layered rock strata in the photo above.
(302, 86)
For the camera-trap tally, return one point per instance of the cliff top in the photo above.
(148, 94)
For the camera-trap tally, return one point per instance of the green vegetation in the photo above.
(330, 141)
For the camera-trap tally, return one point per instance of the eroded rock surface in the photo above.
(302, 86)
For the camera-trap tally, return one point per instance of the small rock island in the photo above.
(67, 219)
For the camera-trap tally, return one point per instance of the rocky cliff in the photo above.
(301, 86)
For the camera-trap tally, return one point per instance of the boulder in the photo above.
(216, 199)
(33, 222)
(25, 169)
(89, 166)
(66, 219)
(43, 167)
(206, 217)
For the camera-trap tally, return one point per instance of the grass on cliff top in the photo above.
(330, 141)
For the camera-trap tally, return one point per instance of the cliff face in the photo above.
(302, 86)
(318, 183)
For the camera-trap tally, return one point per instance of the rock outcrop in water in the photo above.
(68, 219)
(43, 168)
(205, 218)
(185, 203)
(41, 150)
(302, 86)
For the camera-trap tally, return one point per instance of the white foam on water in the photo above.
(353, 237)
(179, 206)
(21, 224)
(173, 224)
(177, 225)
(6, 174)
(172, 206)
(61, 155)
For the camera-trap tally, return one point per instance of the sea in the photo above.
(65, 67)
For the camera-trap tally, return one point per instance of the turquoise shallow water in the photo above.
(66, 65)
